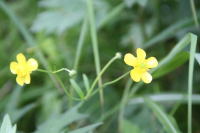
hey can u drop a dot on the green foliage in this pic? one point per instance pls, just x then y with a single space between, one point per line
83 36
162 116
61 15
197 56
130 3
6 126
129 127
86 129
177 61
56 123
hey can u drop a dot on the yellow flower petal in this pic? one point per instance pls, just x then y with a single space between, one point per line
146 77
130 60
13 67
140 53
27 79
20 80
21 58
152 62
135 75
32 64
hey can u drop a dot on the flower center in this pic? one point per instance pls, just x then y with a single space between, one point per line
141 67
22 70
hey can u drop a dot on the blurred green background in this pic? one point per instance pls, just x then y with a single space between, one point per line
53 28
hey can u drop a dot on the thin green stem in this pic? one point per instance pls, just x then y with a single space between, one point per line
176 106
118 9
62 69
66 91
81 42
93 33
194 13
90 90
111 82
56 71
193 39
116 80
123 104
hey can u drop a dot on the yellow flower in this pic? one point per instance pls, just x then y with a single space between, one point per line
23 69
141 65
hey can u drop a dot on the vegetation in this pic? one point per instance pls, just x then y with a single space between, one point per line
76 76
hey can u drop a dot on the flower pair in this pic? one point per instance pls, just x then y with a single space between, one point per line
23 68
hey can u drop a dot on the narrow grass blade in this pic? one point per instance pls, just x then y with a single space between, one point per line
81 42
194 13
168 32
93 34
193 39
86 82
77 88
161 115
166 98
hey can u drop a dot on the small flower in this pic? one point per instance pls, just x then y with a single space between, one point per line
141 65
23 69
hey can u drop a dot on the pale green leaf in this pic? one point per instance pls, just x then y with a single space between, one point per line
77 88
197 56
177 61
86 82
129 127
161 116
6 126
56 124
86 129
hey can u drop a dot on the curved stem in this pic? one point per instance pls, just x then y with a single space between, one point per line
56 71
100 74
66 91
111 82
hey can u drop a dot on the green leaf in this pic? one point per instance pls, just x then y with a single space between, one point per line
14 99
86 82
61 15
77 88
19 113
193 41
67 14
197 56
129 127
6 126
86 129
177 61
130 3
161 115
56 124
12 108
